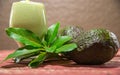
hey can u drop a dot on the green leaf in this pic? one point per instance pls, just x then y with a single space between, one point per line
21 52
50 49
24 36
44 42
26 56
39 60
18 59
52 33
66 48
61 40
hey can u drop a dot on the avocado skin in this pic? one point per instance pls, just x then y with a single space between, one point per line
94 55
95 47
72 31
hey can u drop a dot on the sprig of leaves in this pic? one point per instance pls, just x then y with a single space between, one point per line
51 43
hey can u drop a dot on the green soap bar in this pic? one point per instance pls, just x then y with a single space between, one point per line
29 15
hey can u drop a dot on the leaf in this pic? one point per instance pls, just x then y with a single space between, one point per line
66 48
21 52
61 40
50 49
52 33
24 36
44 43
39 60
18 59
26 56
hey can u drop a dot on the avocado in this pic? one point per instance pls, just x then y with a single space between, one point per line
73 31
95 47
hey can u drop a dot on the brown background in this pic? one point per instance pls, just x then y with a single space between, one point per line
86 13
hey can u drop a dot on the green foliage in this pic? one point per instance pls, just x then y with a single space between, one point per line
24 36
41 48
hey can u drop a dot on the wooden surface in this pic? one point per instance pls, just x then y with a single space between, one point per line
86 13
59 67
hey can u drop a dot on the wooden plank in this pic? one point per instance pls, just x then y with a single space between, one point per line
59 67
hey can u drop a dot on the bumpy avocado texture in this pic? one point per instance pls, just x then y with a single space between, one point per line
96 46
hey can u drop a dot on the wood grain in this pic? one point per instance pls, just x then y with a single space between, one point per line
86 13
59 67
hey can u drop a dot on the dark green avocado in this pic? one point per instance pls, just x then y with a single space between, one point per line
73 31
96 46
